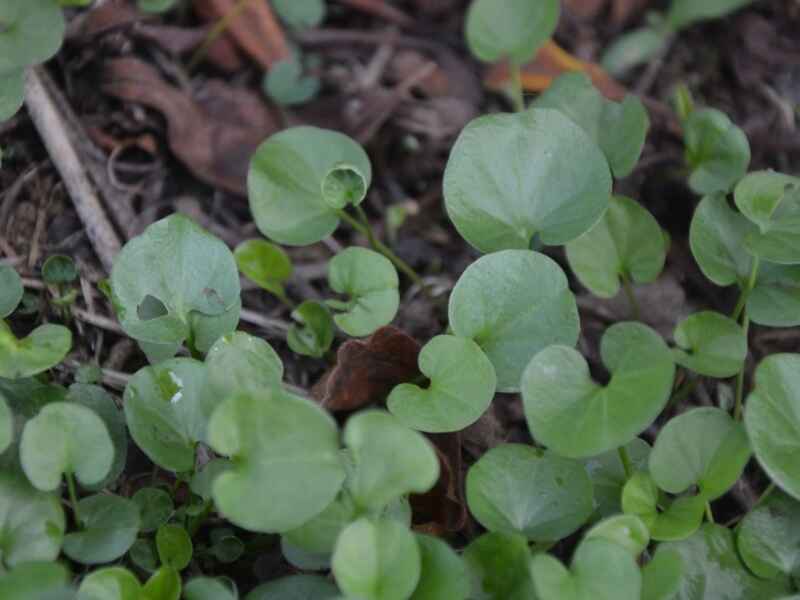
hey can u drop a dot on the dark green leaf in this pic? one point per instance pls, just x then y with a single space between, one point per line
109 528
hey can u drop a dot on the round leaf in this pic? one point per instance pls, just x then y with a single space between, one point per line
628 531
513 29
370 280
206 588
710 344
286 178
444 574
164 584
769 537
717 151
498 565
314 334
377 560
515 489
274 437
65 438
265 264
240 361
59 270
35 581
390 459
11 290
576 417
32 31
111 583
295 587
772 418
286 84
511 178
513 304
462 385
661 577
155 507
174 546
608 475
109 528
633 48
44 348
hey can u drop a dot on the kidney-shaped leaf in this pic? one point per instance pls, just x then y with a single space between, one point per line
65 438
772 418
293 179
514 304
44 348
176 281
515 489
274 437
111 583
462 385
31 33
511 178
443 575
11 290
626 242
108 529
769 537
265 264
370 280
574 416
710 344
717 151
667 520
240 361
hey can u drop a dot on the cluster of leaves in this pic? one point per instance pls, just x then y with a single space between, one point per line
240 461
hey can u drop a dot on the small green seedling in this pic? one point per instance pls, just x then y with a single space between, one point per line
667 519
109 525
608 474
287 85
44 348
265 264
155 508
174 546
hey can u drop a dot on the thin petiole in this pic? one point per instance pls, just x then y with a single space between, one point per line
709 513
73 498
219 28
745 295
737 407
626 461
628 287
517 96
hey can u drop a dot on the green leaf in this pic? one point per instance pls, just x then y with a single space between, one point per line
377 560
306 560
155 507
498 566
772 418
661 577
771 201
370 280
241 362
44 348
683 13
631 49
286 179
286 84
716 237
143 555
31 523
626 242
712 569
513 304
627 531
508 180
769 537
618 128
274 437
208 588
775 300
59 270
155 6
175 282
318 535
514 29
111 583
314 334
6 425
164 584
667 520
717 151
515 489
300 15
108 529
710 344
390 459
174 546
12 94
32 32
167 407
65 438
600 570
462 385
295 587
265 264
34 581
608 475
11 290
444 573
228 549
203 479
576 417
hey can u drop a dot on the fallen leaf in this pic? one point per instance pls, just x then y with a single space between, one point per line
367 370
621 10
443 509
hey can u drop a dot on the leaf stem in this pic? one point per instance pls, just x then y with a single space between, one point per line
517 96
626 461
745 295
628 287
684 390
764 495
709 513
737 407
73 498
219 28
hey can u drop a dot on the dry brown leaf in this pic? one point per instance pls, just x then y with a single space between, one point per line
621 10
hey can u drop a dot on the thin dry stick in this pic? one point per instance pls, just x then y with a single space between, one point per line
54 132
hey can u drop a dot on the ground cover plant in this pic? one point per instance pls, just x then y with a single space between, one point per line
216 451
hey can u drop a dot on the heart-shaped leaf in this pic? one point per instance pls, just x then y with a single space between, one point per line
661 577
313 335
241 362
507 182
667 520
296 587
703 447
109 525
516 489
769 537
44 348
35 581
444 574
600 570
11 290
619 128
626 243
164 584
274 436
31 523
608 475
576 417
713 571
167 407
775 300
772 418
710 344
175 282
74 440
265 264
111 583
717 151
292 179
498 565
514 304
32 32
389 459
377 560
370 281
155 507
628 531
514 29
462 385
174 546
